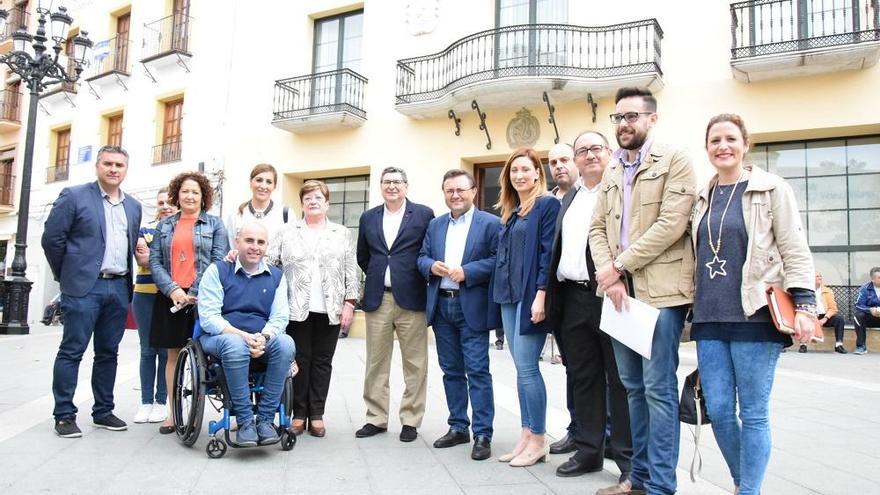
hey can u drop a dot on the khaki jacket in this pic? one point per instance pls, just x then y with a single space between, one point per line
660 257
828 301
778 253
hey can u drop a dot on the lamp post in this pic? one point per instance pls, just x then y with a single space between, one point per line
38 65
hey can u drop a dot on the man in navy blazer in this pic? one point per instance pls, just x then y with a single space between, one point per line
457 259
89 240
389 240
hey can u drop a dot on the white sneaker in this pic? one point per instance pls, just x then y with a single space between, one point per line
144 413
159 413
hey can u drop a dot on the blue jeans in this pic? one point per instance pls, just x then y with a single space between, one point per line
101 312
742 372
464 359
530 387
151 375
652 393
234 356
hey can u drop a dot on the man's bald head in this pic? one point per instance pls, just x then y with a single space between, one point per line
251 242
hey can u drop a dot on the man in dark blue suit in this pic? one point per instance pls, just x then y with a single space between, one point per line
389 241
457 259
89 240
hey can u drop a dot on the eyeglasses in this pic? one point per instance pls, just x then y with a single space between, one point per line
595 150
396 182
453 192
630 117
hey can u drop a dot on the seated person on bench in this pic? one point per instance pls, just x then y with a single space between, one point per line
243 312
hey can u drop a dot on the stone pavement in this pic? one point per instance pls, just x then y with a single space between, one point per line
824 415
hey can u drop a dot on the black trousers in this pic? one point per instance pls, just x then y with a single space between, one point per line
864 321
835 321
590 368
315 340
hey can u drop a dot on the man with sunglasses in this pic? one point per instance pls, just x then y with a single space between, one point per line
389 239
641 249
575 311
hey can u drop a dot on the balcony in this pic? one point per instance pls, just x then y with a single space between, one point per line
18 19
167 152
320 102
514 65
10 114
111 59
167 41
775 39
57 173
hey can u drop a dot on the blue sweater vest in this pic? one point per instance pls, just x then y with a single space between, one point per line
247 301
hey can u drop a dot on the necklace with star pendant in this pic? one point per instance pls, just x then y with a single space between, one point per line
716 266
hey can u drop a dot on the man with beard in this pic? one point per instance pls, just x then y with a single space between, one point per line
639 243
561 161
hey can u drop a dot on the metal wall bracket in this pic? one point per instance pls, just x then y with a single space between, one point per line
483 127
119 81
93 91
592 105
43 108
552 119
457 122
67 98
180 62
148 73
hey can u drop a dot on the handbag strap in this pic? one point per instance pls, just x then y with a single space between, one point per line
697 460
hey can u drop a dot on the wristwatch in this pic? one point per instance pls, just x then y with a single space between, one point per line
268 336
618 266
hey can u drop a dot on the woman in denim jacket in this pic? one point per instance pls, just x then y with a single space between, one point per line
178 258
747 235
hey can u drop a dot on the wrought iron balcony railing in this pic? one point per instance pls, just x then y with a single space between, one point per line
57 173
766 27
113 57
9 105
167 152
19 18
325 92
532 50
167 35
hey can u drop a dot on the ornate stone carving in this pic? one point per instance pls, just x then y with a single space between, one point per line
523 130
422 16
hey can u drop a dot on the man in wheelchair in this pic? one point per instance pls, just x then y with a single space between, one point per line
244 313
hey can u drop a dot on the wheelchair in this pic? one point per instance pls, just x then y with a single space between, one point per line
198 377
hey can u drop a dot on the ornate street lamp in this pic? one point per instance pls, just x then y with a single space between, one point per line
39 67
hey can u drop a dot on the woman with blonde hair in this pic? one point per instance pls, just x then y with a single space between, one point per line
260 208
319 263
520 280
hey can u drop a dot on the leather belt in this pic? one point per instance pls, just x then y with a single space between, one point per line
587 284
387 289
110 276
448 293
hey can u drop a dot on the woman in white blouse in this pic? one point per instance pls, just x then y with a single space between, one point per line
318 259
260 208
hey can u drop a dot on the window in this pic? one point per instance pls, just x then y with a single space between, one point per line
338 42
71 61
59 170
488 175
114 130
123 24
349 197
7 176
172 133
180 25
837 186
522 48
9 102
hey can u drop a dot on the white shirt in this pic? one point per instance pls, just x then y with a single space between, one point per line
820 304
456 238
316 288
576 234
273 221
390 227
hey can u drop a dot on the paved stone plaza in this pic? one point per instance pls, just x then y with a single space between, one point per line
825 427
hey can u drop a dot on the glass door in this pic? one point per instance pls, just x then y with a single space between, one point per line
338 42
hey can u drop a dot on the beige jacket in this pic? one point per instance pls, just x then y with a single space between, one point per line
778 253
660 257
340 276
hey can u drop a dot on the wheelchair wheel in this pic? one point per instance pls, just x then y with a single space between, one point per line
287 399
216 448
288 440
189 394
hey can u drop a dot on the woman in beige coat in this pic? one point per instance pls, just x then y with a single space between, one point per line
320 266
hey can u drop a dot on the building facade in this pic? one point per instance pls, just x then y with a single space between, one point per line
338 90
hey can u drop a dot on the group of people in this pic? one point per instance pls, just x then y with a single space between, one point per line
625 223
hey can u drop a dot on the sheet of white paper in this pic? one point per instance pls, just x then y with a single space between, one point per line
633 328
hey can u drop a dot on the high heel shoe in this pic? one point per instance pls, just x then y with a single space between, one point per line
507 457
529 459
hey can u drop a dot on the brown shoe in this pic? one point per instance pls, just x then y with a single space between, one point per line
298 426
317 430
622 488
